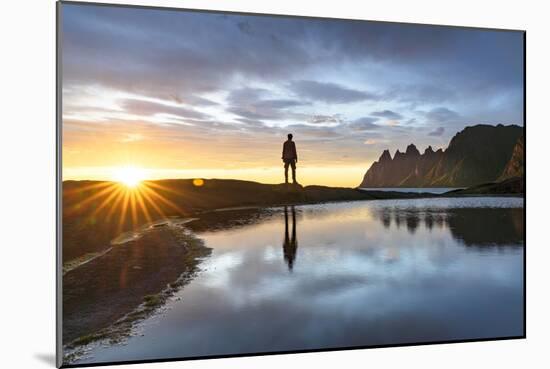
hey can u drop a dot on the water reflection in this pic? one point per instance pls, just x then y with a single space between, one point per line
290 244
412 222
472 226
480 227
368 273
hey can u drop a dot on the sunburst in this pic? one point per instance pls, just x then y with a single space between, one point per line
131 198
129 176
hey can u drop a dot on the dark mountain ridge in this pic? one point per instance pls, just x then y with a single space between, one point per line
475 155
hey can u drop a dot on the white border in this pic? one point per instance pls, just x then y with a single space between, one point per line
28 182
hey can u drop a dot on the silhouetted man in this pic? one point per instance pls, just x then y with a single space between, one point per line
290 158
290 245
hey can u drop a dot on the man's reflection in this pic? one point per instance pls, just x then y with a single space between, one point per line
290 245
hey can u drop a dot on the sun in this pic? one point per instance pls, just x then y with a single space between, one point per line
129 176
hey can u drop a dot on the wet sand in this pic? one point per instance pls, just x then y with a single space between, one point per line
133 274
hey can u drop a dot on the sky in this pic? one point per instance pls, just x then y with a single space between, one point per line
210 95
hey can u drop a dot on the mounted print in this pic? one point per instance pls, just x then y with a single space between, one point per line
240 184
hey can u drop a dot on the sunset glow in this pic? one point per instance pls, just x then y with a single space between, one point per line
129 176
217 98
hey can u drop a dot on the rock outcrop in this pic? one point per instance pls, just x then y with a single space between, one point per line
477 154
516 164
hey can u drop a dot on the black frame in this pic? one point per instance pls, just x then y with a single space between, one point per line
59 188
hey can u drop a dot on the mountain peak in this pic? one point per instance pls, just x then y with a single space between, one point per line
398 154
477 154
412 150
385 156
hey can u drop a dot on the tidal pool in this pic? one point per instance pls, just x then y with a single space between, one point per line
343 275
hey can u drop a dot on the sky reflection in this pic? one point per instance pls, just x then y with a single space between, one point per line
355 276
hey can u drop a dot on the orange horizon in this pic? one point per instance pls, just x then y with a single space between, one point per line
339 176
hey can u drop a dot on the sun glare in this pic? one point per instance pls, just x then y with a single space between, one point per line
131 177
130 196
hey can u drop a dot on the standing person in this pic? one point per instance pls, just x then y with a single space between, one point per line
290 158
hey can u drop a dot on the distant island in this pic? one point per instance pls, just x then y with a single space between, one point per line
477 155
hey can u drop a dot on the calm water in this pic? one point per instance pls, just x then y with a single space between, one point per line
345 274
436 190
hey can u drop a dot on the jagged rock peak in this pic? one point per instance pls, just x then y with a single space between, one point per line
385 156
412 150
475 155
429 150
398 155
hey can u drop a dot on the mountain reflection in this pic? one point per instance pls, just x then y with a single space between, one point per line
290 244
473 226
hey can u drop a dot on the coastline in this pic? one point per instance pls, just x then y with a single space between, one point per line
125 327
90 228
141 267
87 231
106 296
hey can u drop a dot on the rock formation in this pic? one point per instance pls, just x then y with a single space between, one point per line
477 154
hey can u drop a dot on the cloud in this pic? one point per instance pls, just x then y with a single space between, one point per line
161 53
387 114
253 114
279 103
316 133
148 108
192 100
442 115
328 92
250 122
325 119
364 124
123 48
392 122
257 104
438 132
242 79
132 137
246 95
422 93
